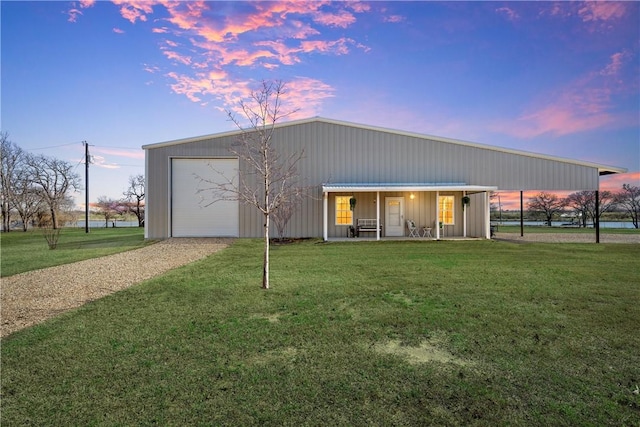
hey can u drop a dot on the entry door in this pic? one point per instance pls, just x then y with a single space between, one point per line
394 216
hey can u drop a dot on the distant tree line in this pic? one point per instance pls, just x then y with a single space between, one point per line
581 206
36 190
131 203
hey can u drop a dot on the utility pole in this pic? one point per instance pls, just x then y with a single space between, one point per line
87 160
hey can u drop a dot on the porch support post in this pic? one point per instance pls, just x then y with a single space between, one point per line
464 217
596 219
377 215
325 216
437 215
521 213
487 213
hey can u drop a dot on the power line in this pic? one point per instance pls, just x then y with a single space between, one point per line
53 146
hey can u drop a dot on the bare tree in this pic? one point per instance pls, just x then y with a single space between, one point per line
54 179
584 204
283 214
580 203
109 209
270 181
547 204
629 199
27 199
10 157
606 201
134 197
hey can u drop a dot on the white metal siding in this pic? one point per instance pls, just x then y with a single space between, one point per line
345 153
195 213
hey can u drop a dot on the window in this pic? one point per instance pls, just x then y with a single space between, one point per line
445 204
344 214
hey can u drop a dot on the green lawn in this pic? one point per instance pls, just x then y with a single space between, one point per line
354 333
543 229
22 251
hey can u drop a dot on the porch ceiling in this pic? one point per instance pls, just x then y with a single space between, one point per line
369 187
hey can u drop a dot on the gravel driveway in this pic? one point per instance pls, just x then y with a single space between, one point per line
32 297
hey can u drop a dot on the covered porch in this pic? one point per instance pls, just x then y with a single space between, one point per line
392 211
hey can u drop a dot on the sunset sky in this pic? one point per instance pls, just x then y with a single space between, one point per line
558 78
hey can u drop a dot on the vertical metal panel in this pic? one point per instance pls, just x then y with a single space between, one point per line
476 215
342 153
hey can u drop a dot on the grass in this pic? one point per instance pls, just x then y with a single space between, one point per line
367 333
26 251
529 229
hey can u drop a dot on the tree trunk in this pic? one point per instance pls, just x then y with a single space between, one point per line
54 219
6 217
265 270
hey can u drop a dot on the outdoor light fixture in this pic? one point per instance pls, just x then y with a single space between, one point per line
412 196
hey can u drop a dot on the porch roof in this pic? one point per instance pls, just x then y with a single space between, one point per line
364 187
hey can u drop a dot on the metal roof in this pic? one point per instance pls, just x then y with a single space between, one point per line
602 169
369 187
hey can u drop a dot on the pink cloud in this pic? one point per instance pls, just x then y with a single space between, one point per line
582 105
337 47
617 61
511 14
101 162
175 56
601 11
73 14
215 83
614 183
341 19
258 34
151 68
302 97
138 154
118 30
299 30
133 10
595 16
185 15
306 95
394 19
359 7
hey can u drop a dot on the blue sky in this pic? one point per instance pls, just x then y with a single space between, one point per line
559 78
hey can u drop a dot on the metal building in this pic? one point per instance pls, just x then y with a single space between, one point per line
381 179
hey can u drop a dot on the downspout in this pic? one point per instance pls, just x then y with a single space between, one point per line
325 215
377 215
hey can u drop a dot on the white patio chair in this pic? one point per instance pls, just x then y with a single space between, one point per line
413 230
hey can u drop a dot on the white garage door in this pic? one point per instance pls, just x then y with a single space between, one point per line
192 213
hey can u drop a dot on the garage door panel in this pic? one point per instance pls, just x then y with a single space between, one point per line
195 213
